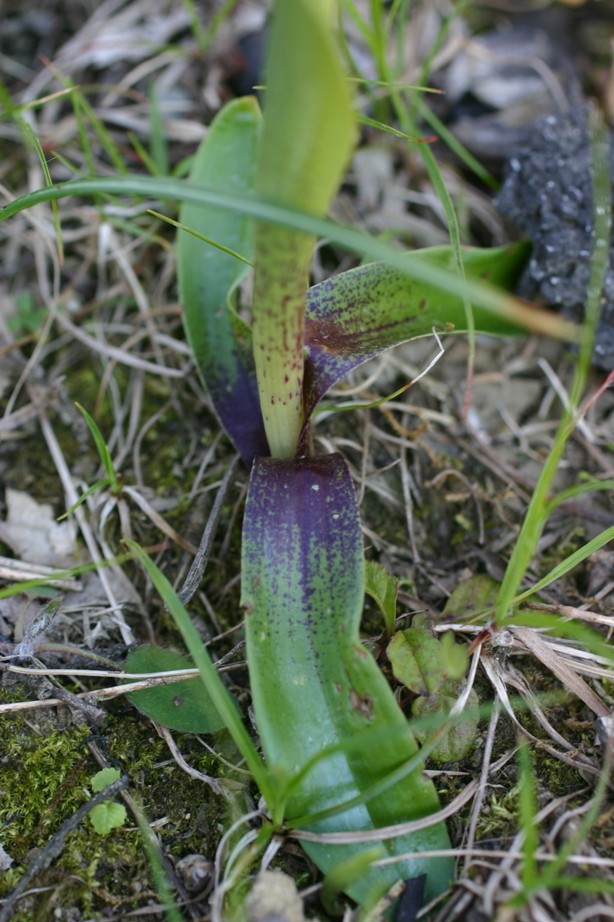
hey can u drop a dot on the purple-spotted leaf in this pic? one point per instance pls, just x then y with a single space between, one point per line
309 132
208 276
354 316
313 683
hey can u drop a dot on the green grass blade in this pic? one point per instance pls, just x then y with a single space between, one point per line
465 156
98 485
101 447
578 490
16 113
218 693
146 158
527 805
162 883
480 292
568 564
536 514
550 875
208 240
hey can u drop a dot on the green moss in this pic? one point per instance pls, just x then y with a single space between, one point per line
46 776
44 780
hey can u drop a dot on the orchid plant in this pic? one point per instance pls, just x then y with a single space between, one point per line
341 764
333 736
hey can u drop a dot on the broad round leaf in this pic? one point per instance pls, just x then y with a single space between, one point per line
184 705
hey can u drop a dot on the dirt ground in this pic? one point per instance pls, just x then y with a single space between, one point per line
443 488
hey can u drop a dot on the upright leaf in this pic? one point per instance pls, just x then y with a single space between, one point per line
307 139
313 684
208 276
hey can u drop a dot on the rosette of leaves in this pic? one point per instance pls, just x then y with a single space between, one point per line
336 743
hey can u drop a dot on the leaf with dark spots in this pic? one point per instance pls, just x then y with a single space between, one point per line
314 684
354 316
208 276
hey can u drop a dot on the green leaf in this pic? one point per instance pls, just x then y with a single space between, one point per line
417 660
472 599
104 778
454 736
107 816
209 275
184 705
454 656
329 724
309 132
383 588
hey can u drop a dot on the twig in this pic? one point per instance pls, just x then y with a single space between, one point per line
22 570
216 786
199 563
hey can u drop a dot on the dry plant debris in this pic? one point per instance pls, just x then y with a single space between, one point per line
442 494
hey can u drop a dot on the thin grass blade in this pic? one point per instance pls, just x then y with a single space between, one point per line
218 693
480 291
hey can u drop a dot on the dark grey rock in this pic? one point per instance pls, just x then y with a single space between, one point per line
547 197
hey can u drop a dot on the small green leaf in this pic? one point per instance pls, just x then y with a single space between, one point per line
107 816
472 599
383 588
454 656
104 778
184 705
417 661
28 316
459 734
